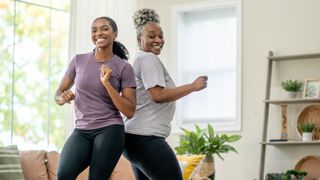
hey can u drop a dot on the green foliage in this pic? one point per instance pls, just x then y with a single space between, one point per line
306 127
291 85
205 141
299 174
289 175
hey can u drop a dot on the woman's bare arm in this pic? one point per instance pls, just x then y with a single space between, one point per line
163 94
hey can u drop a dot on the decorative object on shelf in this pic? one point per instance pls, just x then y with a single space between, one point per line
306 128
206 142
291 174
293 87
310 114
284 122
311 88
310 164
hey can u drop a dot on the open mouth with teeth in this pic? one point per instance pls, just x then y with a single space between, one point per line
100 40
157 47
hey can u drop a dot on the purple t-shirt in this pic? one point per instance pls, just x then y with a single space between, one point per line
93 106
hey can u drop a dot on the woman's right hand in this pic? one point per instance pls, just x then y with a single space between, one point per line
200 83
66 96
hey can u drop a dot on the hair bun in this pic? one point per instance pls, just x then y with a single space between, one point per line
145 15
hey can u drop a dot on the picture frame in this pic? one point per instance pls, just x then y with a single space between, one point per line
311 88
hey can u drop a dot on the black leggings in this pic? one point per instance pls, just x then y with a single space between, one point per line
100 148
151 158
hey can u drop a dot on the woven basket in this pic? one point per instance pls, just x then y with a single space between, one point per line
310 114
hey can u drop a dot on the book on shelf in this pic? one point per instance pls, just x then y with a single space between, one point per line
278 140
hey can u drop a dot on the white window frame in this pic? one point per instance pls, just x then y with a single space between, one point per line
177 12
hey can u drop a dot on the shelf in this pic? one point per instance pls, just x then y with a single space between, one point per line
291 143
275 60
292 101
294 57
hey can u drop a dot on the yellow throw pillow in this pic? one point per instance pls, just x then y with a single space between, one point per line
190 162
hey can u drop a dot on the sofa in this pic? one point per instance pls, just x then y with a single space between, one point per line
42 165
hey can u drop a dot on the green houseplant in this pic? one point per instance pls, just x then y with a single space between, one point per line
306 129
205 141
289 175
292 87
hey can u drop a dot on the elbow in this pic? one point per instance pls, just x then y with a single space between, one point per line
130 113
129 116
157 99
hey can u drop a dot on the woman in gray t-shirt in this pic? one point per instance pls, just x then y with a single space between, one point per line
150 155
104 87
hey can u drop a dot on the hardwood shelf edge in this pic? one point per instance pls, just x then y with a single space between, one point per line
292 101
294 57
291 143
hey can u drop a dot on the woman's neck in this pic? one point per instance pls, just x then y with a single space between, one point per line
103 54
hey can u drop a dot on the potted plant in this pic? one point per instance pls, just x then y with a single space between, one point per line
297 174
291 174
206 142
292 87
306 129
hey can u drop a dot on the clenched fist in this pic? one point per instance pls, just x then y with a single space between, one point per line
105 74
200 83
66 97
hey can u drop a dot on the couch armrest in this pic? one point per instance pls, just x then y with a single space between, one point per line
33 163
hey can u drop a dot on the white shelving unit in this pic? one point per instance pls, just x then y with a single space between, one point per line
272 60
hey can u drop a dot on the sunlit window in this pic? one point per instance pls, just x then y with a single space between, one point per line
207 37
33 52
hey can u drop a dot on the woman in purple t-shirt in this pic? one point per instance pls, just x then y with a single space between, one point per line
104 88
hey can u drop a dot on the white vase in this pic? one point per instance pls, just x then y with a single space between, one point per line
292 94
307 136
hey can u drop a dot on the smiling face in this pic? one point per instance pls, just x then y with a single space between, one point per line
102 33
150 38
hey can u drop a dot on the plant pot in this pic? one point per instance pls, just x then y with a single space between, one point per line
205 170
307 136
292 94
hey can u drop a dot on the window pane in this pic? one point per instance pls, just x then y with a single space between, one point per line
33 50
59 59
39 2
207 46
6 63
61 4
31 76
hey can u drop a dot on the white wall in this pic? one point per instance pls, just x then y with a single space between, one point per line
285 27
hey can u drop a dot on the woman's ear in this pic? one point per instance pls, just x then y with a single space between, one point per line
115 35
139 39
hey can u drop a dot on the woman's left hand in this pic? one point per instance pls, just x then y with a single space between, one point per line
105 74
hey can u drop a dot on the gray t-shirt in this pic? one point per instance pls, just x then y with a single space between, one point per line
93 106
150 118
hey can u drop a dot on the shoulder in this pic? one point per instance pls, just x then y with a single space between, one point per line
121 64
83 55
146 57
